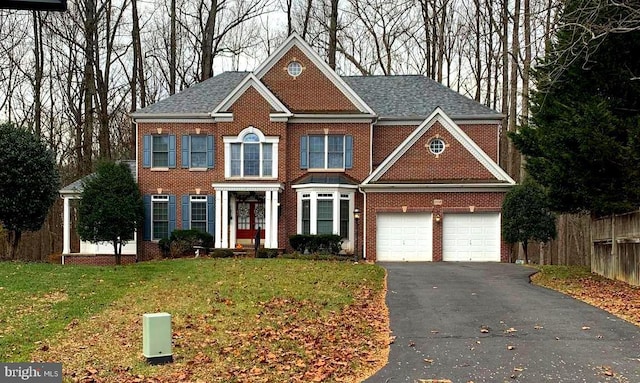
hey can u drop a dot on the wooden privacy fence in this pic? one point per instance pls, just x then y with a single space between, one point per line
615 247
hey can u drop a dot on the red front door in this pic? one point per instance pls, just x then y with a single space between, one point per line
250 217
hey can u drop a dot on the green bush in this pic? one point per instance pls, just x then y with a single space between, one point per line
267 253
181 243
221 253
311 244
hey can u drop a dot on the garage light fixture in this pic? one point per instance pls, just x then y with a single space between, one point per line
438 218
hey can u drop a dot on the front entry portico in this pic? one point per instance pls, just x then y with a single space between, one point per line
243 207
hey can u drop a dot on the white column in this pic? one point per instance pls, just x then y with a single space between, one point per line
219 207
225 219
66 238
267 219
233 223
336 212
274 219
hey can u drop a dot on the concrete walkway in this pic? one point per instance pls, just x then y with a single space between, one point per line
484 322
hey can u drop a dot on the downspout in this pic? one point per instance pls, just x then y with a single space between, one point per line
364 223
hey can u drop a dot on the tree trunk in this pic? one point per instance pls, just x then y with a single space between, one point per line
514 168
172 50
206 69
39 68
333 34
13 237
89 86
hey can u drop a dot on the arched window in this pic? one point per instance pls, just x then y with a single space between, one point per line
251 154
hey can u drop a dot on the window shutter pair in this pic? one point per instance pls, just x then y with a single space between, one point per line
186 151
147 148
304 152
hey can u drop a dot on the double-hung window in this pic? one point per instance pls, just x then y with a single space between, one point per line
326 151
160 217
197 151
199 212
160 154
159 151
251 154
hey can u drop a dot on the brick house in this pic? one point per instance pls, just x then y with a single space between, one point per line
294 148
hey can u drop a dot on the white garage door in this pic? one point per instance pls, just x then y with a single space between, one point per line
471 237
404 237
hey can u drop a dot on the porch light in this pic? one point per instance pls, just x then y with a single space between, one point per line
438 218
356 219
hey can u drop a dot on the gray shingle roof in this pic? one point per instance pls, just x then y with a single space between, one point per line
413 96
410 96
76 186
199 98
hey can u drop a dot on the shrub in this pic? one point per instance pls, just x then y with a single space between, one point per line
181 243
221 253
323 243
267 253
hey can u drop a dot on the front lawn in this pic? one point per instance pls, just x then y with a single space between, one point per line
233 319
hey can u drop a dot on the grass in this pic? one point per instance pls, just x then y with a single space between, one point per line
300 320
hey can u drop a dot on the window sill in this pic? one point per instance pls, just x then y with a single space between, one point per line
198 169
251 178
159 169
333 170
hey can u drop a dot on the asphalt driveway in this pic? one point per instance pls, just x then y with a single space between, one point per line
438 312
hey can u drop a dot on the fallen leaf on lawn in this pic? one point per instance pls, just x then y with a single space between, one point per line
518 369
536 327
434 381
434 331
511 348
586 328
510 330
484 329
412 344
557 338
428 360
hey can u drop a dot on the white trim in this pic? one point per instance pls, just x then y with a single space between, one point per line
458 134
170 116
250 81
273 140
324 186
222 117
436 188
175 120
460 120
247 186
308 118
295 40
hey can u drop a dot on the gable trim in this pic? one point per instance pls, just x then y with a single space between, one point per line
220 112
439 116
295 40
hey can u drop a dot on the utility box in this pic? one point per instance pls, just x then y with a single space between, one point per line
156 338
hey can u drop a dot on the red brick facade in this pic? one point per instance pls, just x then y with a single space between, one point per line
313 93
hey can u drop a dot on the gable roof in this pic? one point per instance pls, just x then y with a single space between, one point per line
295 40
201 98
415 96
438 115
251 81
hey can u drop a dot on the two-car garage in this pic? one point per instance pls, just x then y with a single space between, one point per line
466 237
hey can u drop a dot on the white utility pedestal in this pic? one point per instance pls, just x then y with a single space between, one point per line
156 338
